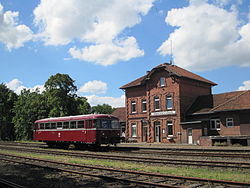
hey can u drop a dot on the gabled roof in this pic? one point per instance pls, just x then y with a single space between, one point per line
172 70
237 100
120 113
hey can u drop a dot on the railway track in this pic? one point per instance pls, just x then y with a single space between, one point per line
213 153
128 176
160 161
8 184
194 153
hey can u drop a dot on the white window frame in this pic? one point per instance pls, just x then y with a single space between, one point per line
133 129
230 120
144 102
157 100
133 103
168 124
169 98
216 122
162 82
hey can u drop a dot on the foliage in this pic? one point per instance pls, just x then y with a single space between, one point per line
60 93
29 107
103 109
7 100
83 107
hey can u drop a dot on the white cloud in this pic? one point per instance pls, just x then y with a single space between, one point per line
95 86
246 86
97 22
207 37
114 102
110 53
17 87
14 84
12 35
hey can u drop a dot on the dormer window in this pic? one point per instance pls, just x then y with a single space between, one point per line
162 82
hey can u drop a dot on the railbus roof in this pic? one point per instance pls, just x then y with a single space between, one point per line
77 117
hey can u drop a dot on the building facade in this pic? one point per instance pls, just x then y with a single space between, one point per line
172 105
156 103
220 118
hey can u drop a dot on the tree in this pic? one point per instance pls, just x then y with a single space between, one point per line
60 92
103 109
83 107
29 107
7 100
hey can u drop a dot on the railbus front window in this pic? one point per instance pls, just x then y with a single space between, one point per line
105 124
97 123
80 124
115 124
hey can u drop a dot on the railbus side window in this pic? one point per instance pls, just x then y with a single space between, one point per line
59 125
80 124
41 126
47 125
66 125
53 125
73 124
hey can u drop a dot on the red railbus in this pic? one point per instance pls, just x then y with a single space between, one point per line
93 129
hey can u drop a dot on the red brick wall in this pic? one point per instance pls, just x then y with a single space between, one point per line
245 129
189 91
229 131
205 141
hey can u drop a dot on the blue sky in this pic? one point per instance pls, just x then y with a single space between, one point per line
103 45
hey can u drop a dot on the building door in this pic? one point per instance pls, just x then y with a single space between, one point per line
157 131
144 133
190 136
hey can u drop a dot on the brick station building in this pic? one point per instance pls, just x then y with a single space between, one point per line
167 105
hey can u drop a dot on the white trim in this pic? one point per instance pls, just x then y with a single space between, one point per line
133 125
163 113
157 98
215 124
144 101
133 103
232 121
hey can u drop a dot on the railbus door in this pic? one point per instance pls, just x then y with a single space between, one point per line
90 132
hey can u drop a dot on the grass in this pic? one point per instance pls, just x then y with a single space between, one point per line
241 175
